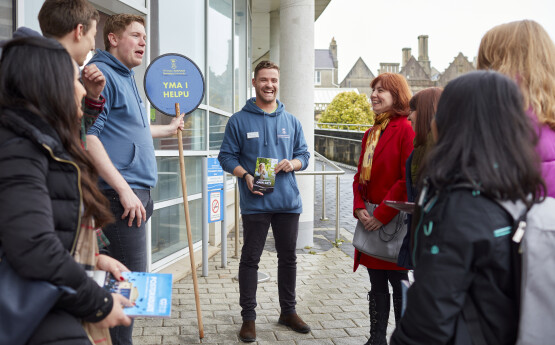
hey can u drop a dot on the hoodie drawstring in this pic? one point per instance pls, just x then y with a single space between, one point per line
265 137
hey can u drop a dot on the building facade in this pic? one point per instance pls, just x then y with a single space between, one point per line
325 66
225 38
360 77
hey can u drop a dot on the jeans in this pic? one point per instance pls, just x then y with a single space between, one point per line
285 227
127 245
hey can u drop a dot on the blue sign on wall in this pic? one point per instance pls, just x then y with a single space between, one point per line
174 78
215 178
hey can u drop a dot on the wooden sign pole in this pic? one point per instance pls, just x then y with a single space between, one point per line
188 224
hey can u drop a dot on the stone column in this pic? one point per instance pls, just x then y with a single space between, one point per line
297 92
274 37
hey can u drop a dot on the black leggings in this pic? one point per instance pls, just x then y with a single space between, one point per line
379 279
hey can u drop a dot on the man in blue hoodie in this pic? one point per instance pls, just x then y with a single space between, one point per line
264 129
120 142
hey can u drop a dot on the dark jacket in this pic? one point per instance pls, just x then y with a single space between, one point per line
40 196
462 253
404 259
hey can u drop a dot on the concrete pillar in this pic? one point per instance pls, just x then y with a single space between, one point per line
274 37
297 92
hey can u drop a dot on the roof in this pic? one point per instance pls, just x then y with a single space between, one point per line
323 59
359 66
324 95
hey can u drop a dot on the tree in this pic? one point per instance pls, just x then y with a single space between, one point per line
348 107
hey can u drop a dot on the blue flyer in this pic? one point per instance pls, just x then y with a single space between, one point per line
151 292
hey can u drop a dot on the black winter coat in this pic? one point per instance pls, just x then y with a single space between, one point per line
40 198
462 251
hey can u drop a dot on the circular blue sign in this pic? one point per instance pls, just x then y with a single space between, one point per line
174 78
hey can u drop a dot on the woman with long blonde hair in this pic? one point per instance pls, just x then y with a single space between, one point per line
523 51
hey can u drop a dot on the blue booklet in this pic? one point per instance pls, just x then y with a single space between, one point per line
151 292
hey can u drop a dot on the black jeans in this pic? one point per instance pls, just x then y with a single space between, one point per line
127 245
379 278
285 227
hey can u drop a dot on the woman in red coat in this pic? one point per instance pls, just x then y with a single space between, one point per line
381 176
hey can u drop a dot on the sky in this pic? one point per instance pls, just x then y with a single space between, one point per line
377 31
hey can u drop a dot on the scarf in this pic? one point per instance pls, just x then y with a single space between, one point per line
380 123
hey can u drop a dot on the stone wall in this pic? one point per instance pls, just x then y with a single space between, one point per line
338 146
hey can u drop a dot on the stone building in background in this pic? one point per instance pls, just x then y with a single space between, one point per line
419 72
359 77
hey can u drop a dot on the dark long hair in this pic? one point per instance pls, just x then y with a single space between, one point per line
485 138
37 74
425 104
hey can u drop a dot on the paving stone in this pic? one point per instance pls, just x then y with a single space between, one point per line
329 333
330 297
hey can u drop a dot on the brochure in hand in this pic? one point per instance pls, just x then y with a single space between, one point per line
151 292
264 176
405 206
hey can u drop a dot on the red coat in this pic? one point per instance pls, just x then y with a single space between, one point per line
387 179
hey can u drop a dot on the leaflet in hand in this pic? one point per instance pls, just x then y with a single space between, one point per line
151 292
264 176
405 206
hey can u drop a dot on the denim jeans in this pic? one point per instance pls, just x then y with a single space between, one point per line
285 227
128 245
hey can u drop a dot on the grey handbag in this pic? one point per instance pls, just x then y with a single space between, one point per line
385 243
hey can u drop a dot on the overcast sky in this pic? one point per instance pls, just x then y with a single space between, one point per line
378 30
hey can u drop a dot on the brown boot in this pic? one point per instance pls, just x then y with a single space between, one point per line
295 322
247 333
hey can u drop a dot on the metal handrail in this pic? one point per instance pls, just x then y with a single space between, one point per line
319 157
337 126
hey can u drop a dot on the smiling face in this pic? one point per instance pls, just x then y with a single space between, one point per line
266 86
382 100
129 47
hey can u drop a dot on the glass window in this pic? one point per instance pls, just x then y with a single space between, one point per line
193 134
6 19
175 36
240 54
217 129
317 77
31 13
169 231
220 54
169 178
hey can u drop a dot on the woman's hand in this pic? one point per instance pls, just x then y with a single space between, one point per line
373 224
370 222
108 264
117 317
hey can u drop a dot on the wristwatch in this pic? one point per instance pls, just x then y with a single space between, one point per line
245 174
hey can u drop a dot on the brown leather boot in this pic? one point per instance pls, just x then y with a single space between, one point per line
247 333
295 322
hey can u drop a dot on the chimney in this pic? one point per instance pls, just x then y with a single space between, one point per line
406 56
423 48
333 51
423 58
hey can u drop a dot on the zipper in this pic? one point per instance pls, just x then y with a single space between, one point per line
78 187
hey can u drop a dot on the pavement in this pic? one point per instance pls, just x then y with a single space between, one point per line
331 298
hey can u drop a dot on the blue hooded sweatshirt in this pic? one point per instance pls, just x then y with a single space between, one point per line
252 133
123 126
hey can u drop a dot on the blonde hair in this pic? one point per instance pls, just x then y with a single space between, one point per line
523 51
